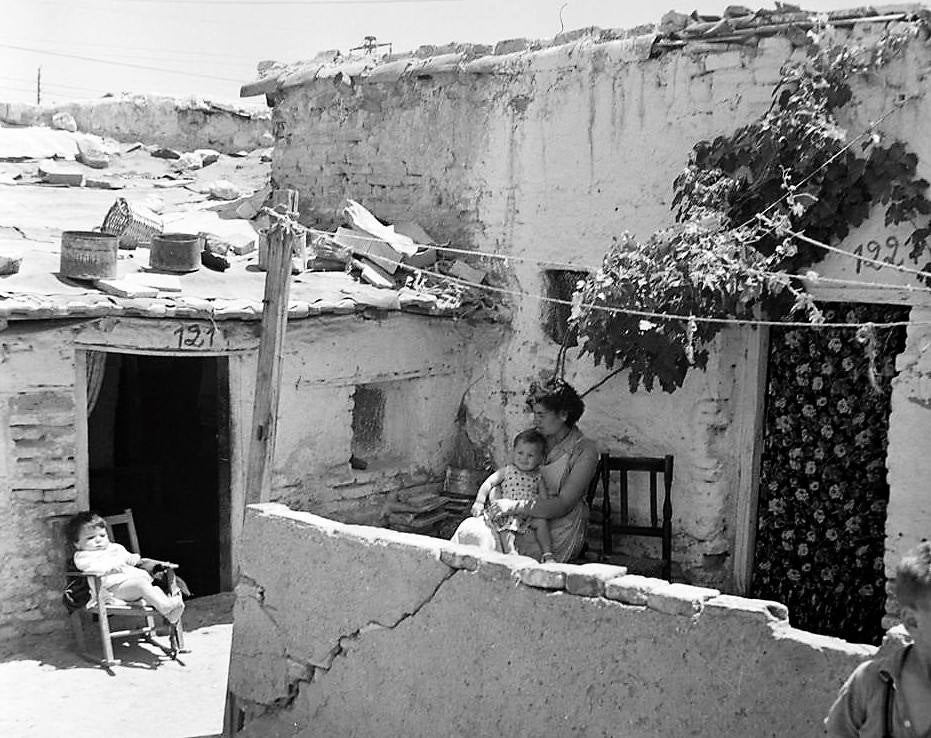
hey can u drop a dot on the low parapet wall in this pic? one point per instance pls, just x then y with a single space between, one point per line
352 630
181 123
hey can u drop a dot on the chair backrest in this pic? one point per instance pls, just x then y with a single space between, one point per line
654 466
125 519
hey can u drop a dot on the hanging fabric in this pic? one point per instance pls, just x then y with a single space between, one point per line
95 367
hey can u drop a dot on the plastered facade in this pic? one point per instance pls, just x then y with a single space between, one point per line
547 155
351 630
43 430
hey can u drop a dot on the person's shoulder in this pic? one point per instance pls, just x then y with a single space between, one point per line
872 674
587 446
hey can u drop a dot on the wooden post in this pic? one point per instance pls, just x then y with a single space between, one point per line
268 376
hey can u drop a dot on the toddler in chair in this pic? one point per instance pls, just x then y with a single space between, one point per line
519 480
95 553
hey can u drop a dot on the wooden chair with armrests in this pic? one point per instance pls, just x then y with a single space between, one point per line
102 610
660 520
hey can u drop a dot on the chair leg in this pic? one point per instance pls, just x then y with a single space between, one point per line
607 545
667 539
104 626
178 630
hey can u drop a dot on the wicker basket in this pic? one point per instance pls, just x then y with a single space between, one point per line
134 225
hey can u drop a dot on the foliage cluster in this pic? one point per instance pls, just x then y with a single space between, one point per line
729 255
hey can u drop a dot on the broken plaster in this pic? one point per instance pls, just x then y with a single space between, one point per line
306 672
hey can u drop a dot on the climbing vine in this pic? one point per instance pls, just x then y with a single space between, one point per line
729 255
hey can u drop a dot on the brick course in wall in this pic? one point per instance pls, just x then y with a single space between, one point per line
41 492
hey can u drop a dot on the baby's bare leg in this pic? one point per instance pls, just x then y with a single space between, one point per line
508 544
541 529
138 588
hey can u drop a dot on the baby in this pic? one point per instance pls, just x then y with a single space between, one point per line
520 480
94 553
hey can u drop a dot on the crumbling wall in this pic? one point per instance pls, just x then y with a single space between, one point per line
184 124
909 509
37 479
422 366
546 155
428 361
346 630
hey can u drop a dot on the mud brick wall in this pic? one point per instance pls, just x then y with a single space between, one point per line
549 153
350 630
35 495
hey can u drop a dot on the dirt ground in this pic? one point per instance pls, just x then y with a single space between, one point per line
48 691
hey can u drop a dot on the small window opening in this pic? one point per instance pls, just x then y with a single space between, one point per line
559 284
368 421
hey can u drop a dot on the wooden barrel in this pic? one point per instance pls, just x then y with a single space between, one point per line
175 252
88 255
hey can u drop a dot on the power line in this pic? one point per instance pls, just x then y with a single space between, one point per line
247 3
119 63
163 51
53 84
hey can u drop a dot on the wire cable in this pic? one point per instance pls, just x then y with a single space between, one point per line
119 63
648 313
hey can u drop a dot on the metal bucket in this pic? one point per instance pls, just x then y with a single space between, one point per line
175 252
463 482
88 255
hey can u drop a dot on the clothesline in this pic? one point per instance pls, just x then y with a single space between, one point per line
649 313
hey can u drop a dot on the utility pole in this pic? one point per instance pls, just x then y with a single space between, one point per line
39 86
281 236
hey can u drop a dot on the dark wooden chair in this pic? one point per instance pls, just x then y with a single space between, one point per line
101 610
660 520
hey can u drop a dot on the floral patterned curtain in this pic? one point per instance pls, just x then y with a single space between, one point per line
823 489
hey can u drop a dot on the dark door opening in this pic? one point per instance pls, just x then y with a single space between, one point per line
158 442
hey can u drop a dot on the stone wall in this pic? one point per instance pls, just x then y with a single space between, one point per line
350 630
546 155
37 482
184 124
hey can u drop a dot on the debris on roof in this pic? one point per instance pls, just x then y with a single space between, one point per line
367 264
738 24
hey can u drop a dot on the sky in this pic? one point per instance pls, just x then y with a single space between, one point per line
209 48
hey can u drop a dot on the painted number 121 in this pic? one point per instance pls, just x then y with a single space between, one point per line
194 336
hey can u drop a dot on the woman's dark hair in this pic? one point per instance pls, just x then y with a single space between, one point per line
532 436
913 576
558 396
77 522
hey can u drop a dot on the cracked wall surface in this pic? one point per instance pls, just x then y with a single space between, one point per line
349 630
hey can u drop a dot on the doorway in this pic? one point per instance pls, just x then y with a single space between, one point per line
158 442
823 491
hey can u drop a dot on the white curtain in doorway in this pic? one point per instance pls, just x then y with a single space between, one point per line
96 365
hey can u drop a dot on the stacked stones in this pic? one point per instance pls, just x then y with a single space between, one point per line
610 582
40 492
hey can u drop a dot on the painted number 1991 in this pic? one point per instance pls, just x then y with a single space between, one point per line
887 253
192 335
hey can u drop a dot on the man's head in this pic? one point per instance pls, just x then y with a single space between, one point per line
87 531
913 591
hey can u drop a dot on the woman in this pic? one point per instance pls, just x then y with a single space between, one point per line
569 467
